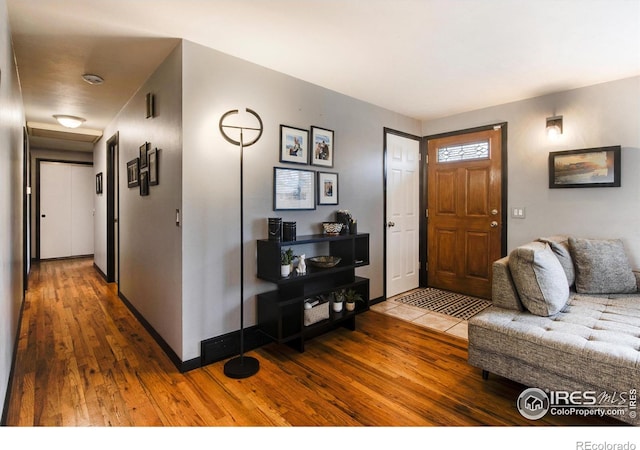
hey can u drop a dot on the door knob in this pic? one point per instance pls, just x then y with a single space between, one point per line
494 212
494 224
391 224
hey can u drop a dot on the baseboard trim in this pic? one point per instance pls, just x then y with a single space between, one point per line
227 345
182 366
375 301
102 274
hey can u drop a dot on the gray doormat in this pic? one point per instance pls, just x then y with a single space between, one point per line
444 302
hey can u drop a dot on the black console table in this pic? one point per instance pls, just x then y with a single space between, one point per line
281 312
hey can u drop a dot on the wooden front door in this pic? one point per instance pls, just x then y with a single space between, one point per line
464 211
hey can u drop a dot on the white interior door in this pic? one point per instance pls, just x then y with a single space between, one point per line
403 221
55 210
66 209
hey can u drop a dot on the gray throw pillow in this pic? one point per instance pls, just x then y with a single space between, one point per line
560 247
539 278
602 266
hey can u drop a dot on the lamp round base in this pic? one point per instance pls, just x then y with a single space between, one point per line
241 367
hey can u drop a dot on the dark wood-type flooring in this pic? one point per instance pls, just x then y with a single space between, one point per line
84 360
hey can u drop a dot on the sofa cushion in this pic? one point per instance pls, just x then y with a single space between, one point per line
560 247
503 291
539 278
602 266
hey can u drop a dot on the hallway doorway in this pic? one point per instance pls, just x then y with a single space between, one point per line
112 210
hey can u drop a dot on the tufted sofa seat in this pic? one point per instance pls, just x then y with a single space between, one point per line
591 344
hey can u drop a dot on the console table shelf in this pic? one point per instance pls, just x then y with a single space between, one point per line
281 311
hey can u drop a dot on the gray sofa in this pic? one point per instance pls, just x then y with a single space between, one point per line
565 317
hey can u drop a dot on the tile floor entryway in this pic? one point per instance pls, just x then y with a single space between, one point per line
422 317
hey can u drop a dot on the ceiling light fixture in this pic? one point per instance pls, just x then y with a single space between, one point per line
92 78
69 121
554 126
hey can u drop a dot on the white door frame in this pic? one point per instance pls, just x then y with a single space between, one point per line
37 201
418 193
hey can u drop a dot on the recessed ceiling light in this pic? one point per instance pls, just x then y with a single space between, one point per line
69 121
92 78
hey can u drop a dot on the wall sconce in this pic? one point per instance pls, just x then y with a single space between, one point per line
554 126
151 105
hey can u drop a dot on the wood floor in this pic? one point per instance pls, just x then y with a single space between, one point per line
84 360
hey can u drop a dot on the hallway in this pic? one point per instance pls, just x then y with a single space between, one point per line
84 360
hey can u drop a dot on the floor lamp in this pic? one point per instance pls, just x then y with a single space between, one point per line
241 366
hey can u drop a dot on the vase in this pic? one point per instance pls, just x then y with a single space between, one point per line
275 228
285 271
288 231
350 306
337 306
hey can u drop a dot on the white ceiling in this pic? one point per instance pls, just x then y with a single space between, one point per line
423 58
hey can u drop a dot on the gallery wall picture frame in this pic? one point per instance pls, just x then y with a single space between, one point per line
294 145
590 167
322 147
327 188
144 183
293 189
144 148
133 173
99 183
152 161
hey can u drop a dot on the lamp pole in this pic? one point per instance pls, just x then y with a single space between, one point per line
241 366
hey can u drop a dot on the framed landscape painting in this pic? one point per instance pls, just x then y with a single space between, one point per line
592 167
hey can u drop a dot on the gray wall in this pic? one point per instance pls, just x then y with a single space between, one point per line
11 210
150 241
215 83
601 115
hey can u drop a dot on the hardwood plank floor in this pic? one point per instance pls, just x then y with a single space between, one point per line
84 360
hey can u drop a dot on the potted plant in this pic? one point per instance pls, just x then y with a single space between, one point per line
286 260
338 299
351 297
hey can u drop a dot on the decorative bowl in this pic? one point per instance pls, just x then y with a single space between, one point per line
325 262
332 227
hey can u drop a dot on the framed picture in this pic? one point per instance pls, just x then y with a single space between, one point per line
144 183
294 145
99 183
293 189
321 147
592 167
152 160
133 173
144 148
327 188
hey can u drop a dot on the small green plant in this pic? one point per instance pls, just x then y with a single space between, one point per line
286 257
352 296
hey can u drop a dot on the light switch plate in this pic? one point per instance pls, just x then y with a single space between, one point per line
518 212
